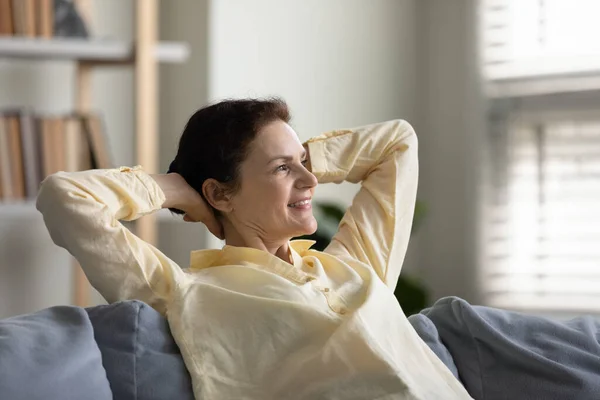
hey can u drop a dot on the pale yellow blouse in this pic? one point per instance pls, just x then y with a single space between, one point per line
249 325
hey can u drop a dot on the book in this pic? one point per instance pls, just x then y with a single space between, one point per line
5 164
42 19
6 18
33 146
101 156
16 153
23 14
78 148
44 13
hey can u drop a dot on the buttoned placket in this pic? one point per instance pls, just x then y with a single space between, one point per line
334 301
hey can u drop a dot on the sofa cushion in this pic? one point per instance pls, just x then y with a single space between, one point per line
427 331
51 354
141 358
503 354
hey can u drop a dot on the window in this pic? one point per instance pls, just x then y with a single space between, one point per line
543 220
542 215
530 38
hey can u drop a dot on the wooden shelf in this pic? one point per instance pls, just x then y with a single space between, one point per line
100 51
26 209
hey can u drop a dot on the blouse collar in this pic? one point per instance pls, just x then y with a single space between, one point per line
233 255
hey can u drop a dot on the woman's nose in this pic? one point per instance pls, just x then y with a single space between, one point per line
308 179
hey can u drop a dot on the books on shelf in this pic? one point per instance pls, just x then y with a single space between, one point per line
33 146
29 18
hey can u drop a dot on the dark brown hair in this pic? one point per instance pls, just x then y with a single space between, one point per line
216 140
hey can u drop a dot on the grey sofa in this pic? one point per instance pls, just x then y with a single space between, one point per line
499 354
122 351
125 351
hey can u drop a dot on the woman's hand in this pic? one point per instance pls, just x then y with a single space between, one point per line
198 210
182 196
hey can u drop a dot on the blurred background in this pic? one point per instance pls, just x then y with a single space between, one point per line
504 96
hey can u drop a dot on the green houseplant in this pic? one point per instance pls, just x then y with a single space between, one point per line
411 295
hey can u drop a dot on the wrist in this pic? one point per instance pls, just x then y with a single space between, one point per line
178 194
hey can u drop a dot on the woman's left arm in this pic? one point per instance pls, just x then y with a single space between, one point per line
383 157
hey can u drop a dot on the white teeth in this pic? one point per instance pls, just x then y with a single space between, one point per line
300 203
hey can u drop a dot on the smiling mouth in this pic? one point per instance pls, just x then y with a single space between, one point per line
302 204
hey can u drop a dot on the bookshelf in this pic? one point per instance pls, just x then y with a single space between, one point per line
26 209
90 51
142 54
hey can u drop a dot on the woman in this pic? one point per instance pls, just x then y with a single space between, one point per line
265 317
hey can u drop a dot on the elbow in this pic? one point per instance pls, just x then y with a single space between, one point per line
404 137
51 193
51 203
407 134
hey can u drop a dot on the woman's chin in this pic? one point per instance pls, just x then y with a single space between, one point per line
310 227
306 228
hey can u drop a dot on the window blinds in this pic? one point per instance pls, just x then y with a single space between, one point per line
542 215
543 228
530 38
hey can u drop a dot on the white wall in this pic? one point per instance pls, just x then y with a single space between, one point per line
450 127
338 63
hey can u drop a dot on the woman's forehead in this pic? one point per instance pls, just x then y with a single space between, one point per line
277 138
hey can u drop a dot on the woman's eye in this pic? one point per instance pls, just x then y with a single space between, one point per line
304 162
282 168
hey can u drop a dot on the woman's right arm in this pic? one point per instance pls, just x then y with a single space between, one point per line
82 211
383 158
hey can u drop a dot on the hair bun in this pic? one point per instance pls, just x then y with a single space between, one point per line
172 167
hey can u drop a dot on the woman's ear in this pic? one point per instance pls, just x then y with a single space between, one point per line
216 195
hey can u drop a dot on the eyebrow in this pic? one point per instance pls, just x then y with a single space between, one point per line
286 158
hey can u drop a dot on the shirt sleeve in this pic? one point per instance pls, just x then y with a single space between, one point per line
383 158
82 212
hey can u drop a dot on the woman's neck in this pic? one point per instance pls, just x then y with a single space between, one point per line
250 239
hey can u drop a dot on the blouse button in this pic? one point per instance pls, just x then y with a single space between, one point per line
343 311
326 289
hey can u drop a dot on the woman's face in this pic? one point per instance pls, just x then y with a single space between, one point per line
274 200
